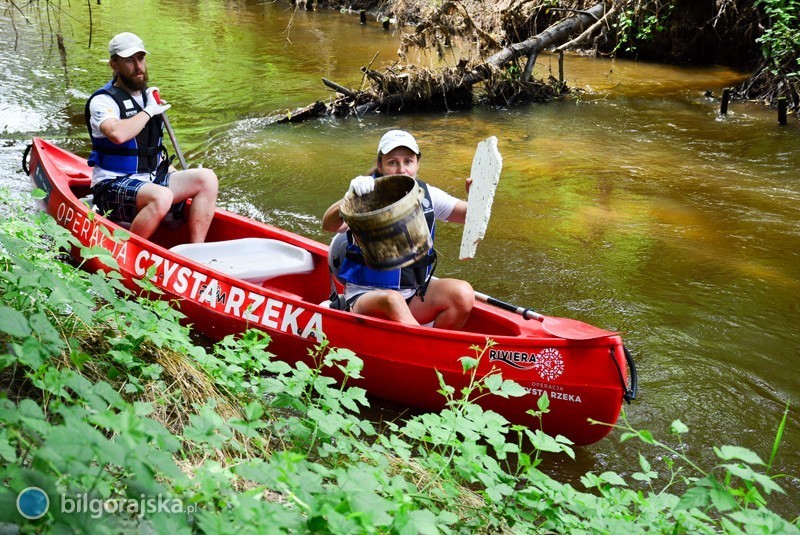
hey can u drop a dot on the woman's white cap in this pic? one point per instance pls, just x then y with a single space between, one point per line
397 138
125 45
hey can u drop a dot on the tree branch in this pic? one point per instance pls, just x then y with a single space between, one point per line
588 31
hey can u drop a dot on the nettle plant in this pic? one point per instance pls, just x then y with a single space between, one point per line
106 398
779 42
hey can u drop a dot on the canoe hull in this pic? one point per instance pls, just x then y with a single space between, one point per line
584 379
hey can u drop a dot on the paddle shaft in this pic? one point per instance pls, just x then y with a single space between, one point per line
566 328
526 313
171 133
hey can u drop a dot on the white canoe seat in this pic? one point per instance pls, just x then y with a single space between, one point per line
251 259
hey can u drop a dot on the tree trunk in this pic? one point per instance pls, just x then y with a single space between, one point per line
552 36
451 87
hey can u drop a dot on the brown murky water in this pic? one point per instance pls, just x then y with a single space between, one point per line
633 205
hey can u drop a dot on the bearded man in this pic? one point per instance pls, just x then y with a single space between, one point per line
132 180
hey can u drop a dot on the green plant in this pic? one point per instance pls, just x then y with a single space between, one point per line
779 42
640 22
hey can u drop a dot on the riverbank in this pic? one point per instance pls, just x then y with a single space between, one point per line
756 37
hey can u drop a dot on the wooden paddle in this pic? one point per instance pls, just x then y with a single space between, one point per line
566 328
171 133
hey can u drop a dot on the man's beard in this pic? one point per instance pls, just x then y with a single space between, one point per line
132 83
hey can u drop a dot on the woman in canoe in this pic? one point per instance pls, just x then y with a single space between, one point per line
407 295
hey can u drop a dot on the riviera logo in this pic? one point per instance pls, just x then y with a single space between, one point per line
548 362
33 503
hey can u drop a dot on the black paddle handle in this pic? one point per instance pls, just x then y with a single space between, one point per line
526 313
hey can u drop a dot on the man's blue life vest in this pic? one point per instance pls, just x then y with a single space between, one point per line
138 155
355 271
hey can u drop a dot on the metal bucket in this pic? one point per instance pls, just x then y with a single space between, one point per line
388 223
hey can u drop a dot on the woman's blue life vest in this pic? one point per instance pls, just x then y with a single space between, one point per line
353 269
138 155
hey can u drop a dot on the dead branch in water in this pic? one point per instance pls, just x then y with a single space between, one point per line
401 88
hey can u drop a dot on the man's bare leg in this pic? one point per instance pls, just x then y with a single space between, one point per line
201 185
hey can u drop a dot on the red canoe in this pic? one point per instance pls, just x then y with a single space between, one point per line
249 274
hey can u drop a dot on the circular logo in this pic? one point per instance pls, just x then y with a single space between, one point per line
32 503
550 364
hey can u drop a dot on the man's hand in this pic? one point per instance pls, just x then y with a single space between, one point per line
153 108
361 185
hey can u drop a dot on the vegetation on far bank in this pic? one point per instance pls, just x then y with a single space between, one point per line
107 402
758 36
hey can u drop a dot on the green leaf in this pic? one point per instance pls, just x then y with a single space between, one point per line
512 389
41 324
423 522
544 442
7 451
101 254
645 477
30 409
644 464
468 363
679 427
646 437
253 411
613 478
768 484
12 322
493 382
722 499
121 234
694 497
31 353
543 402
728 453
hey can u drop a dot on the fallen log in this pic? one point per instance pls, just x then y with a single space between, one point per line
315 109
552 36
340 88
409 88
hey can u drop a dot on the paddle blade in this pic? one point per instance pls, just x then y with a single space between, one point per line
485 174
573 329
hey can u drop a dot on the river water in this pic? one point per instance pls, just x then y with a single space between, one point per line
632 205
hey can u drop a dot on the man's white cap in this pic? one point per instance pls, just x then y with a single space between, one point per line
397 138
125 45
